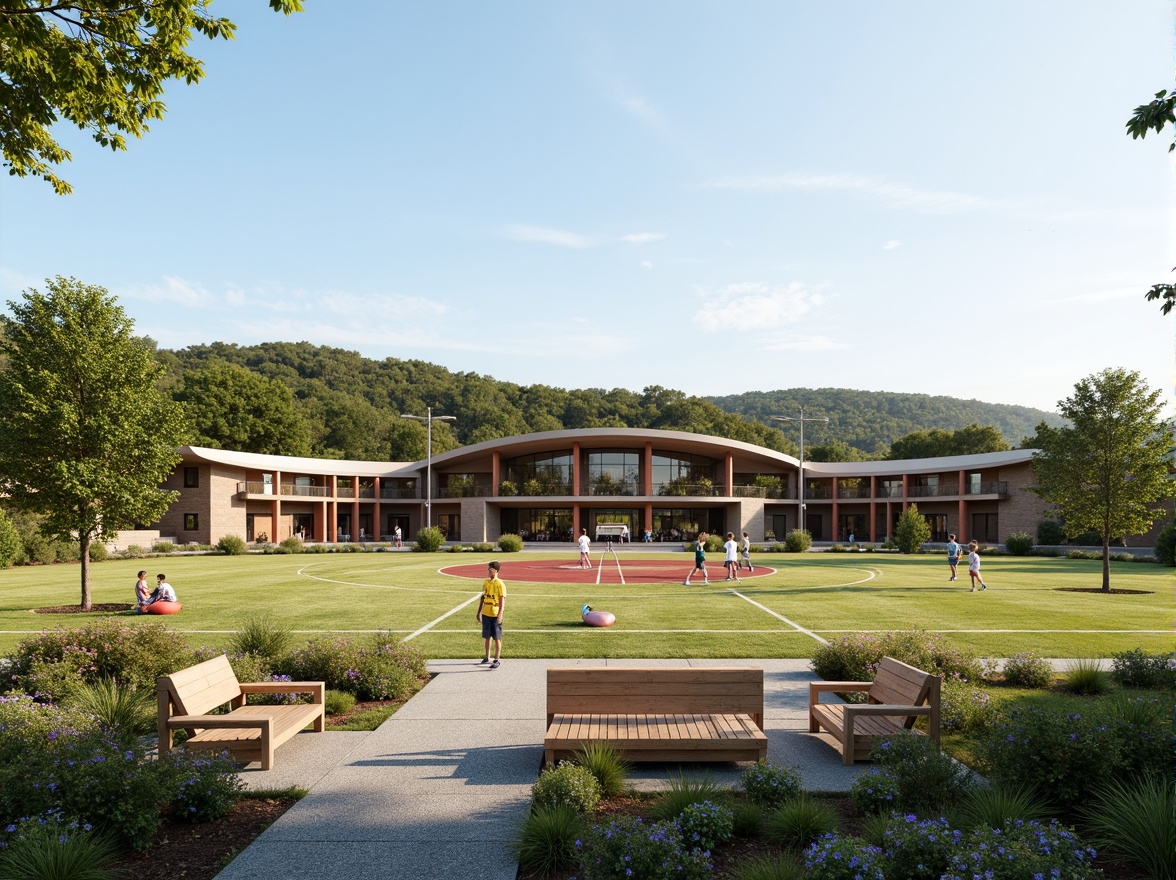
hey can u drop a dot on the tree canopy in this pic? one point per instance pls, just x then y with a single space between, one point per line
970 440
1108 471
86 438
1155 116
101 65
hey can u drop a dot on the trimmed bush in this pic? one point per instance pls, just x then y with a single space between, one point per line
163 547
1049 531
707 824
856 657
1166 545
769 786
338 702
429 540
98 552
963 707
291 545
1019 544
797 541
231 545
926 778
509 543
629 848
1027 670
566 784
1135 669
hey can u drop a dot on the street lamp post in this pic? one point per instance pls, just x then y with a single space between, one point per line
800 418
428 419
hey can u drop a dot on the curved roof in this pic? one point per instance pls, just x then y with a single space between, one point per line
325 466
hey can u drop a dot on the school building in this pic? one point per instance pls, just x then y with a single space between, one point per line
664 485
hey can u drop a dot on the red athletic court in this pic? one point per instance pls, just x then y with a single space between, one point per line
629 571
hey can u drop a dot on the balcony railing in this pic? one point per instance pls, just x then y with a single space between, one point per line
853 491
395 493
461 492
286 489
689 490
992 487
749 492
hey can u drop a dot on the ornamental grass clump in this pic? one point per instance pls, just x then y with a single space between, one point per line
1136 821
800 821
262 635
769 786
992 806
116 707
52 848
546 839
629 848
684 791
604 761
1021 850
567 784
1087 678
771 867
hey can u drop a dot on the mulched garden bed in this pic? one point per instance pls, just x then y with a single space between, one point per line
101 608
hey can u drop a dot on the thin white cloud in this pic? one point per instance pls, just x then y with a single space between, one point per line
767 305
646 264
644 237
796 342
891 245
544 235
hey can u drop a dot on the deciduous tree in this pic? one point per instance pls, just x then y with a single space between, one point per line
100 64
1155 116
86 438
1109 470
912 531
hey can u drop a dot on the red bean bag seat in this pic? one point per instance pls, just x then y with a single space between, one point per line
162 607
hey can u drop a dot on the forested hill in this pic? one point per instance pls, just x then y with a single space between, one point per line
872 420
301 399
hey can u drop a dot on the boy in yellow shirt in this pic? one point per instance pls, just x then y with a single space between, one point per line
490 611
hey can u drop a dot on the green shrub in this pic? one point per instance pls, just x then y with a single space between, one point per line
714 543
134 551
122 708
98 552
330 659
203 786
26 725
991 806
1135 669
963 707
11 548
605 762
458 548
291 545
568 784
912 531
1049 531
1142 727
135 654
838 857
163 547
1021 850
547 838
684 791
429 540
50 848
1027 670
380 670
927 778
707 824
748 819
838 548
1019 544
856 657
338 702
1137 822
1087 678
483 548
770 867
769 786
262 635
231 545
874 792
917 849
779 548
1166 545
801 821
509 543
1084 554
797 541
629 848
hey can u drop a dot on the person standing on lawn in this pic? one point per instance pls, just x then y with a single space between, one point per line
974 567
953 556
731 559
585 546
699 560
745 551
490 611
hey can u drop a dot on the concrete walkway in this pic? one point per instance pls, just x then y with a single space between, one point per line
439 789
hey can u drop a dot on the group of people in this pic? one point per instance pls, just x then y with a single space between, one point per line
145 596
737 554
953 560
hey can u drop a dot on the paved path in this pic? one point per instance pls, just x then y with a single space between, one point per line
438 790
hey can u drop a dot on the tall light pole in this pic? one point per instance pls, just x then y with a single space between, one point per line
428 420
800 418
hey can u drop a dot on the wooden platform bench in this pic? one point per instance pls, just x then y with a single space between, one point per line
898 695
248 733
657 714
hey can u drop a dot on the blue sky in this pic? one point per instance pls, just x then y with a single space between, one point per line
921 197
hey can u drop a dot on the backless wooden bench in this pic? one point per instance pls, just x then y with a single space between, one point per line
248 733
658 713
898 695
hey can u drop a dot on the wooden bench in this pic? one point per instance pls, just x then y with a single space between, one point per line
657 714
898 695
248 733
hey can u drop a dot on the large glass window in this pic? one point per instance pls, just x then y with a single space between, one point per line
684 524
541 474
613 473
538 524
683 474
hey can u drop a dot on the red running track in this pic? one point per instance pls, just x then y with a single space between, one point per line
636 571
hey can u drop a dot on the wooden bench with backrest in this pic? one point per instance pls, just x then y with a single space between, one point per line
657 714
898 695
248 733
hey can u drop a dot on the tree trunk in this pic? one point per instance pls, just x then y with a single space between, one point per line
87 604
1106 584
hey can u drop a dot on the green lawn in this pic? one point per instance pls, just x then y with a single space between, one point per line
816 594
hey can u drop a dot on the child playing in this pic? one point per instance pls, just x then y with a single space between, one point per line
699 560
974 567
731 560
953 556
745 551
142 593
490 611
